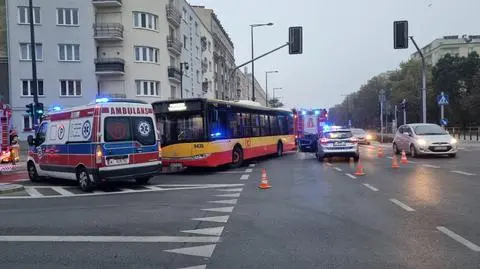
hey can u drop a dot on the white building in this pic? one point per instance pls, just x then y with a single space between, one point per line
65 51
454 45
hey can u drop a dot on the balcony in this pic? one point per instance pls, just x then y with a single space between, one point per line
174 74
107 3
203 41
204 66
108 31
109 66
173 15
205 86
174 45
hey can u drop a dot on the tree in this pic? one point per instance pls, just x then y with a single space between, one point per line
274 102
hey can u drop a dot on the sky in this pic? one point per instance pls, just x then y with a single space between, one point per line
345 42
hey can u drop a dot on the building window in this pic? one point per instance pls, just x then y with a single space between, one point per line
27 89
24 16
198 51
27 123
67 16
147 87
196 28
209 46
70 88
184 14
210 66
198 76
145 20
173 92
146 54
26 53
69 52
185 40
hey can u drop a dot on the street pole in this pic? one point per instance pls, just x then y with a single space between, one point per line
382 100
424 82
253 68
396 119
181 80
33 52
266 89
442 113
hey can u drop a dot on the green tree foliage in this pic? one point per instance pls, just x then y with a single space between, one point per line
274 102
459 77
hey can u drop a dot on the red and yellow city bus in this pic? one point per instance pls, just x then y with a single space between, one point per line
208 133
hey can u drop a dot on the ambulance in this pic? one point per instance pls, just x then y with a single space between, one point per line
107 140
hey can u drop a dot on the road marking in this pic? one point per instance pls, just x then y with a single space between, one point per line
412 161
202 251
21 180
154 188
338 169
33 192
113 239
220 209
244 177
232 195
249 170
430 166
62 191
230 172
202 185
232 190
370 187
350 176
329 164
389 157
195 267
220 219
252 165
215 231
462 173
402 205
228 202
459 239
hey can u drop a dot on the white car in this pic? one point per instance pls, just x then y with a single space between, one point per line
424 139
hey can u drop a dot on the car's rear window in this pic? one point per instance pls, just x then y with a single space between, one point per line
338 135
121 129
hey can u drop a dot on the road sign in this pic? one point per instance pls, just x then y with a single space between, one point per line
442 99
443 122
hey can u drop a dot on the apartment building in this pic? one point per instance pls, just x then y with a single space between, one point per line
223 54
260 95
64 53
242 86
454 45
4 81
131 48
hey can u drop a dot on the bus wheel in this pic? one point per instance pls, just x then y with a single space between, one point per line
84 182
279 149
237 157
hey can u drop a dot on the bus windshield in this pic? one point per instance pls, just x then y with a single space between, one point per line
177 128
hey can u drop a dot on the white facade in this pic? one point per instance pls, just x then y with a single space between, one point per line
133 64
65 53
454 45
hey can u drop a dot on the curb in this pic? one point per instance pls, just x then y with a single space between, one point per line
9 188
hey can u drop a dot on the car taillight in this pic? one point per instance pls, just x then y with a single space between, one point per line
354 140
323 141
98 154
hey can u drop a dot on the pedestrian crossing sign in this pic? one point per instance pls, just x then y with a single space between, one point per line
442 99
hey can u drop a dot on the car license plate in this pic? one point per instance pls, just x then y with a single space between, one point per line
176 165
441 148
117 161
340 144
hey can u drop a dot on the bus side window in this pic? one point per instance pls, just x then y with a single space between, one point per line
264 126
246 125
255 125
282 125
274 130
291 123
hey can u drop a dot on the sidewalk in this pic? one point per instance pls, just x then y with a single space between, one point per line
8 168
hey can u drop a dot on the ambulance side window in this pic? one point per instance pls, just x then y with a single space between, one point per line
41 134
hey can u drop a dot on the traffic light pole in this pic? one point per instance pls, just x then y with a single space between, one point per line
424 81
33 48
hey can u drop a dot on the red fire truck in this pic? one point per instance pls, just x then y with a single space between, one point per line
309 124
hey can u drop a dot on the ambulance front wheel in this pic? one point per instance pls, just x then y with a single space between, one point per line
84 181
32 172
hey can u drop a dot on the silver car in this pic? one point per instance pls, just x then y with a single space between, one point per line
338 143
424 139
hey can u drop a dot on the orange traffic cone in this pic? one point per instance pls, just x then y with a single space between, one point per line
395 162
404 160
380 153
264 182
360 171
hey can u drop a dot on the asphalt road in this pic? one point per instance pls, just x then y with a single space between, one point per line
316 215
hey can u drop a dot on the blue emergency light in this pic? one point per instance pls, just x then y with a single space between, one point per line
102 100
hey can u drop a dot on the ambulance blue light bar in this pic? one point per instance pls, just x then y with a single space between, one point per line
102 100
56 108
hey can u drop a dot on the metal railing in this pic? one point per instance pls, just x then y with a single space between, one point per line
108 31
109 65
173 15
174 73
465 134
174 45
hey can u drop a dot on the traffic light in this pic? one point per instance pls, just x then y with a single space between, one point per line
400 34
30 109
39 109
295 40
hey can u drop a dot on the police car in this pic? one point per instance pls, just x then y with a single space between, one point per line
107 140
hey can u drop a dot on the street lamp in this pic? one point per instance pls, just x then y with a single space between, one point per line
266 85
253 63
182 65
